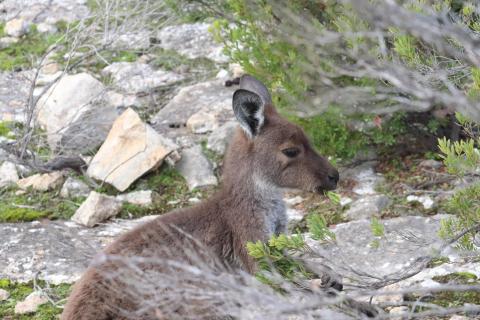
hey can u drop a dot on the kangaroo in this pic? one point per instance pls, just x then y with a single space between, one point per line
267 153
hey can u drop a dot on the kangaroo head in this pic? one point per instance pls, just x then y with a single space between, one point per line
279 150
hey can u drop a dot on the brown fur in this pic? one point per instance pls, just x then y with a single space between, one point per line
248 207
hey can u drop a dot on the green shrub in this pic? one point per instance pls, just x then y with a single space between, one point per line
460 158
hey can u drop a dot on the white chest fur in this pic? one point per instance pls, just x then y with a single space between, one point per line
271 206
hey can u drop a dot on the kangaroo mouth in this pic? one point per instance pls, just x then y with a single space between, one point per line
321 189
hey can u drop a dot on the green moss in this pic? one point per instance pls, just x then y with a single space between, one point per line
34 205
437 262
27 51
170 60
5 128
456 278
19 291
12 214
171 192
210 154
456 298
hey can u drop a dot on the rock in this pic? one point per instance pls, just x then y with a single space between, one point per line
210 96
96 209
8 174
202 122
51 68
430 163
344 201
366 180
391 295
196 168
367 207
134 77
424 279
458 317
55 251
45 79
42 182
222 74
294 215
194 200
236 70
141 198
31 303
73 188
426 201
46 28
122 101
219 138
294 201
6 42
16 27
44 11
399 311
137 149
139 40
75 113
14 92
4 295
405 240
192 40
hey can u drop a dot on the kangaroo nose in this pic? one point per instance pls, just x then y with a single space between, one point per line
333 177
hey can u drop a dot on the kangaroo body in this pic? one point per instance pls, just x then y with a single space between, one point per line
266 153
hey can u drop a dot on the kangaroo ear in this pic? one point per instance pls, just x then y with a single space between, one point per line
248 108
252 84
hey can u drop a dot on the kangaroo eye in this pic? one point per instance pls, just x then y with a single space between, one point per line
291 152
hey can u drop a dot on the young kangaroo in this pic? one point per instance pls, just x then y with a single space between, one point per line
268 153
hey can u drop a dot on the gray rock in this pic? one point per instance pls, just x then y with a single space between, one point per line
74 188
192 40
6 42
430 163
42 182
75 114
31 303
139 40
44 11
120 101
399 311
366 179
137 149
219 138
210 96
405 239
426 201
367 207
16 27
46 28
4 295
202 122
134 77
96 209
141 198
8 174
196 168
55 251
14 89
424 278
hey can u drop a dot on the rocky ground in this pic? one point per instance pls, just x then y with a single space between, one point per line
158 135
